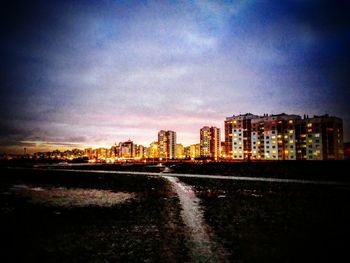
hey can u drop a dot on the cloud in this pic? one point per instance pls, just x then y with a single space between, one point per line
105 71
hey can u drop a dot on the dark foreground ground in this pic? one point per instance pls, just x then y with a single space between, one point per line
274 222
146 228
306 170
254 221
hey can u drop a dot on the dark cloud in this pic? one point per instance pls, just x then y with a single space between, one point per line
71 67
324 16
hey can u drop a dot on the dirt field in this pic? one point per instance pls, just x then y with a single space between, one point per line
143 228
59 216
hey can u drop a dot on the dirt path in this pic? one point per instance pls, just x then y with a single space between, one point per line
208 176
202 246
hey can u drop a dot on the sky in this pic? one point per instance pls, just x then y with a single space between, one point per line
92 73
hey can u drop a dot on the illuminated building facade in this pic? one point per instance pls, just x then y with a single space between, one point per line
273 137
195 151
180 151
238 136
222 150
140 152
153 150
167 144
320 138
210 142
187 152
127 149
283 137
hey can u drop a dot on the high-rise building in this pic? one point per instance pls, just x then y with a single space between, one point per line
320 138
284 137
210 142
273 137
167 144
237 136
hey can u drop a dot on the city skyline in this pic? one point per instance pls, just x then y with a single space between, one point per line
246 136
77 73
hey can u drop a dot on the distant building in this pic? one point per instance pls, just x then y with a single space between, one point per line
167 144
153 150
127 149
320 138
273 137
187 152
88 152
180 151
283 137
195 151
222 150
140 152
113 151
237 136
101 153
210 142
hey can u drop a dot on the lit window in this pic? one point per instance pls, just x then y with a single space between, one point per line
290 121
309 125
291 131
